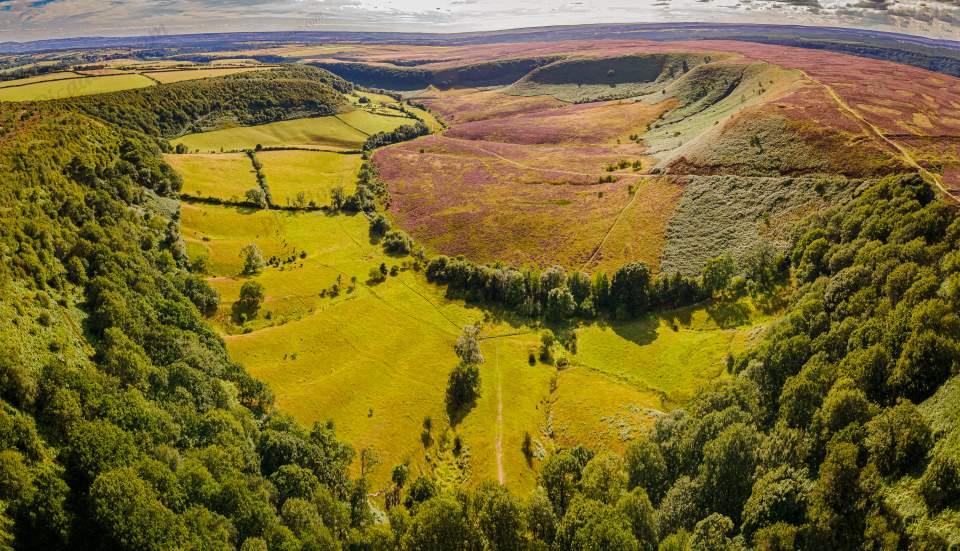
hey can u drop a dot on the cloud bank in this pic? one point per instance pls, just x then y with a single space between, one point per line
35 19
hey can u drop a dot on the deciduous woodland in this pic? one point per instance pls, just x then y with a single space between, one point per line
573 294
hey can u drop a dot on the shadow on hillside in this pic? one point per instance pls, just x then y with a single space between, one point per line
640 332
727 314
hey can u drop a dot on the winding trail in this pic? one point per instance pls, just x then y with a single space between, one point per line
878 134
473 144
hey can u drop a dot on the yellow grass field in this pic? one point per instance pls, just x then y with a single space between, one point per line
42 78
375 359
384 104
345 131
370 123
74 87
318 133
314 173
225 176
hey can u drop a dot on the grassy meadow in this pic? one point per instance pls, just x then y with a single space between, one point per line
224 176
314 173
317 133
73 87
375 358
61 75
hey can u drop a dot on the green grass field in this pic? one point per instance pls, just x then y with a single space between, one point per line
224 176
314 173
317 133
384 104
42 78
371 123
671 355
74 87
375 358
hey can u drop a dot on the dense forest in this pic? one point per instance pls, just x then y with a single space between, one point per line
255 97
125 425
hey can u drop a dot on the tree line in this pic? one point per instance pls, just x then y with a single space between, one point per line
632 291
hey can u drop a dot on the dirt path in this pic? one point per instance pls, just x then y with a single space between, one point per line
606 236
499 446
472 144
878 134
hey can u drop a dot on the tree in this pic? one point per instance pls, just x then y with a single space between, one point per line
717 273
630 289
940 483
540 517
580 286
727 469
589 525
636 507
128 512
560 475
780 495
441 524
463 387
499 517
604 478
680 507
836 497
294 481
710 534
252 259
337 197
379 225
646 468
468 345
926 362
256 197
397 242
898 439
251 298
560 304
300 201
369 459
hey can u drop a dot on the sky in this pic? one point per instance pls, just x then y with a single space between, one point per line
37 19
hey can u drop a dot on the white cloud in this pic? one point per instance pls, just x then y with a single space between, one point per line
32 19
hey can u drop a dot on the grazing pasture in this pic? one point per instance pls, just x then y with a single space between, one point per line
316 133
73 87
374 359
224 176
313 173
337 132
61 75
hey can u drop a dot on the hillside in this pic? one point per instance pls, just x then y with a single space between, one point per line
563 295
